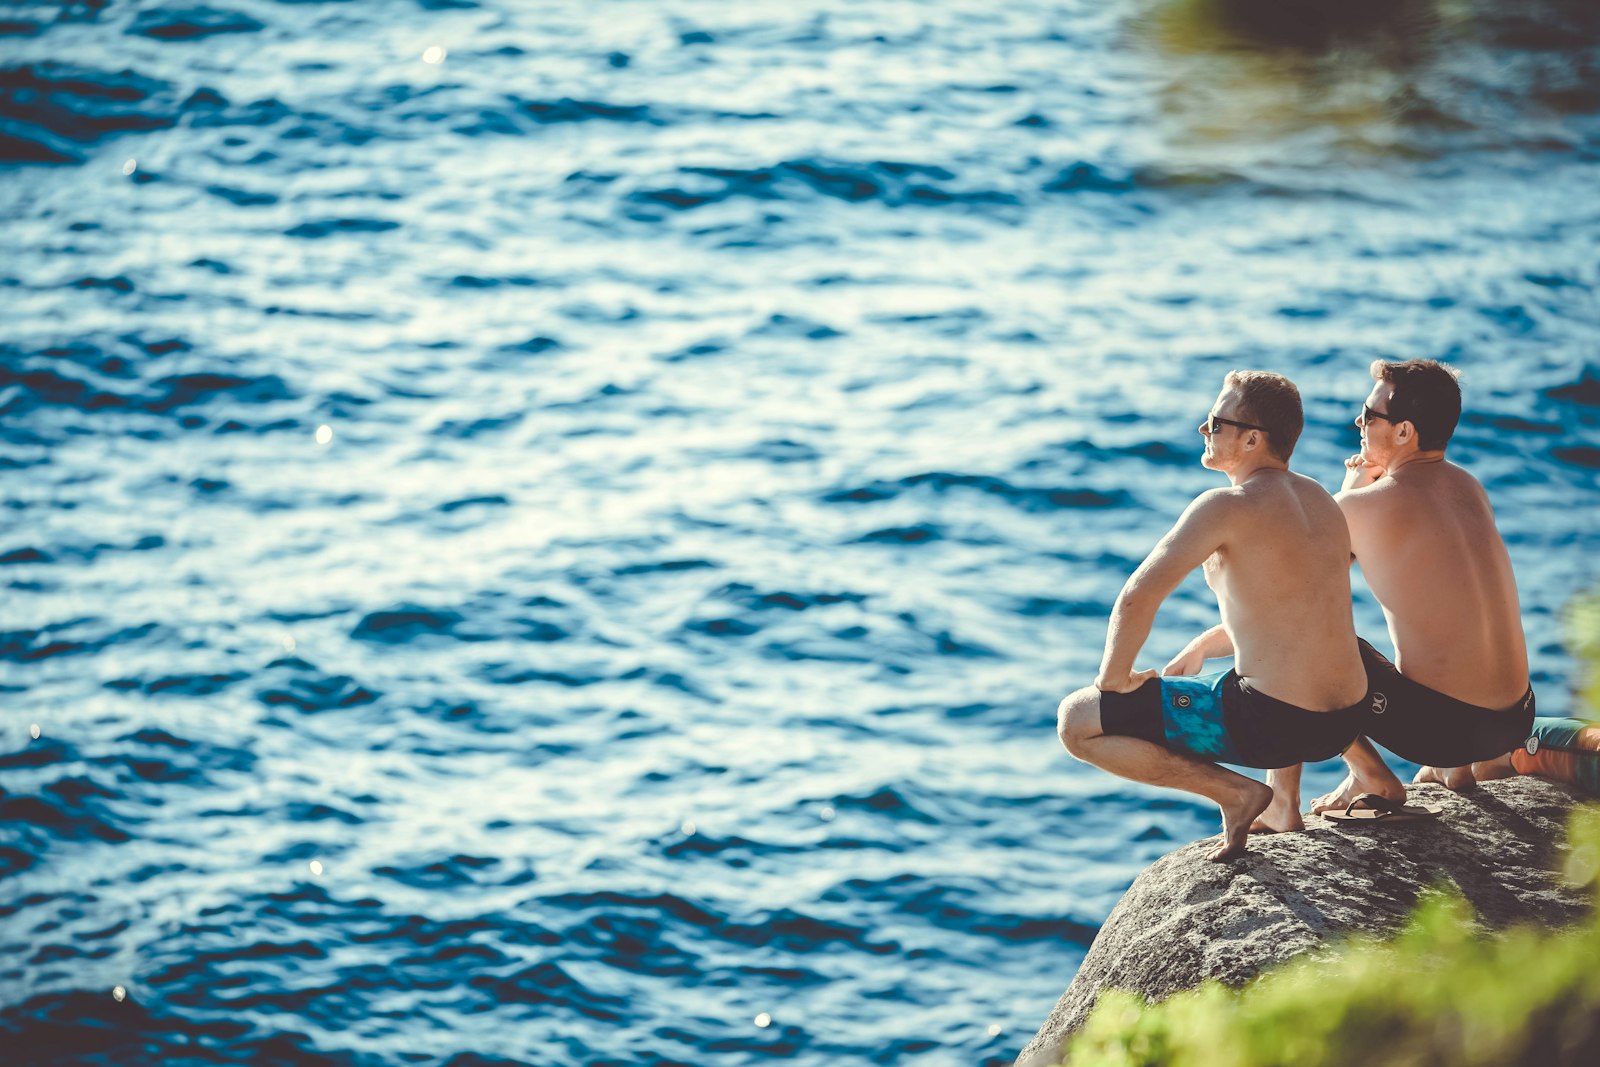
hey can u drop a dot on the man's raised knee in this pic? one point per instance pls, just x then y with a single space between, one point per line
1078 719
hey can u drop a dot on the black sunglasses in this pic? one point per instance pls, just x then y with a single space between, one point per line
1367 415
1213 421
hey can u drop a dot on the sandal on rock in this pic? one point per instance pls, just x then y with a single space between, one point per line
1373 807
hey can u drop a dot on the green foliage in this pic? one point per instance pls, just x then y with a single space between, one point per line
1583 639
1442 994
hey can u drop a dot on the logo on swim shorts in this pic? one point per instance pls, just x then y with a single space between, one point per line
1532 746
1182 700
1380 703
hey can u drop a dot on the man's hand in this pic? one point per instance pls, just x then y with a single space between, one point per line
1189 661
1360 472
1124 685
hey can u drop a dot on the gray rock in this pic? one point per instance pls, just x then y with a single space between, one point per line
1185 920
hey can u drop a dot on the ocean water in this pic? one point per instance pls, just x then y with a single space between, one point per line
553 533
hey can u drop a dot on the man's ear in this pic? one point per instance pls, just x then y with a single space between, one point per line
1253 440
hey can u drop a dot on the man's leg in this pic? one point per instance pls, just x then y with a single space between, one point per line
1283 814
1368 774
1241 799
1488 770
1456 778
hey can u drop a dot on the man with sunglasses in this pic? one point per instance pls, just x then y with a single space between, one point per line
1424 534
1276 553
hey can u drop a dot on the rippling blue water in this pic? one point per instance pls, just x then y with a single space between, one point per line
740 419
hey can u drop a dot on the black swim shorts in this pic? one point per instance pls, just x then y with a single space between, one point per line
1220 718
1425 726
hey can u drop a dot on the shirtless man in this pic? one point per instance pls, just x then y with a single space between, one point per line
1277 554
1423 532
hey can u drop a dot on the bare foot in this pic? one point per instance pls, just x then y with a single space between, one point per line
1388 787
1489 770
1237 815
1455 779
1281 817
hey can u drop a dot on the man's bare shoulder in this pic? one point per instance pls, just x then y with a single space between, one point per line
1376 510
1462 479
1215 503
1381 497
1213 508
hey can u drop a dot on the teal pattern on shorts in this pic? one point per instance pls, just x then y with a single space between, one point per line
1552 732
1191 715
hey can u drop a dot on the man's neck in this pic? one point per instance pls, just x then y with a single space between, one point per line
1240 475
1417 458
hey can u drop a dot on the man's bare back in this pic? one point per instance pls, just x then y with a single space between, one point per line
1426 541
1283 594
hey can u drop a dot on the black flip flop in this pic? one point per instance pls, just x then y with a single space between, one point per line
1377 808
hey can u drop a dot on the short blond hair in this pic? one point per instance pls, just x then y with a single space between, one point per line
1272 402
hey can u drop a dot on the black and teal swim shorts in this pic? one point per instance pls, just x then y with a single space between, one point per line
1220 718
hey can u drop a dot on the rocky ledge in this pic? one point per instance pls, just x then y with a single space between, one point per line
1185 920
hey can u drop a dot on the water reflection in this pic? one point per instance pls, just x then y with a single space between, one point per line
1402 27
1308 82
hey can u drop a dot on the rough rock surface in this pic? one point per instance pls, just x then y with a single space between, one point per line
1185 920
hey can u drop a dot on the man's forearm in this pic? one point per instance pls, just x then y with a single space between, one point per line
1214 643
1131 619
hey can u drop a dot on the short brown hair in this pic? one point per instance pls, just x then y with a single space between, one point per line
1272 402
1426 394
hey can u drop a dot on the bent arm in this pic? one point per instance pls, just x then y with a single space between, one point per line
1363 515
1197 534
1358 473
1213 643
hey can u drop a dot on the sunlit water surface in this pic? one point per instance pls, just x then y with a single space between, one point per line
553 533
